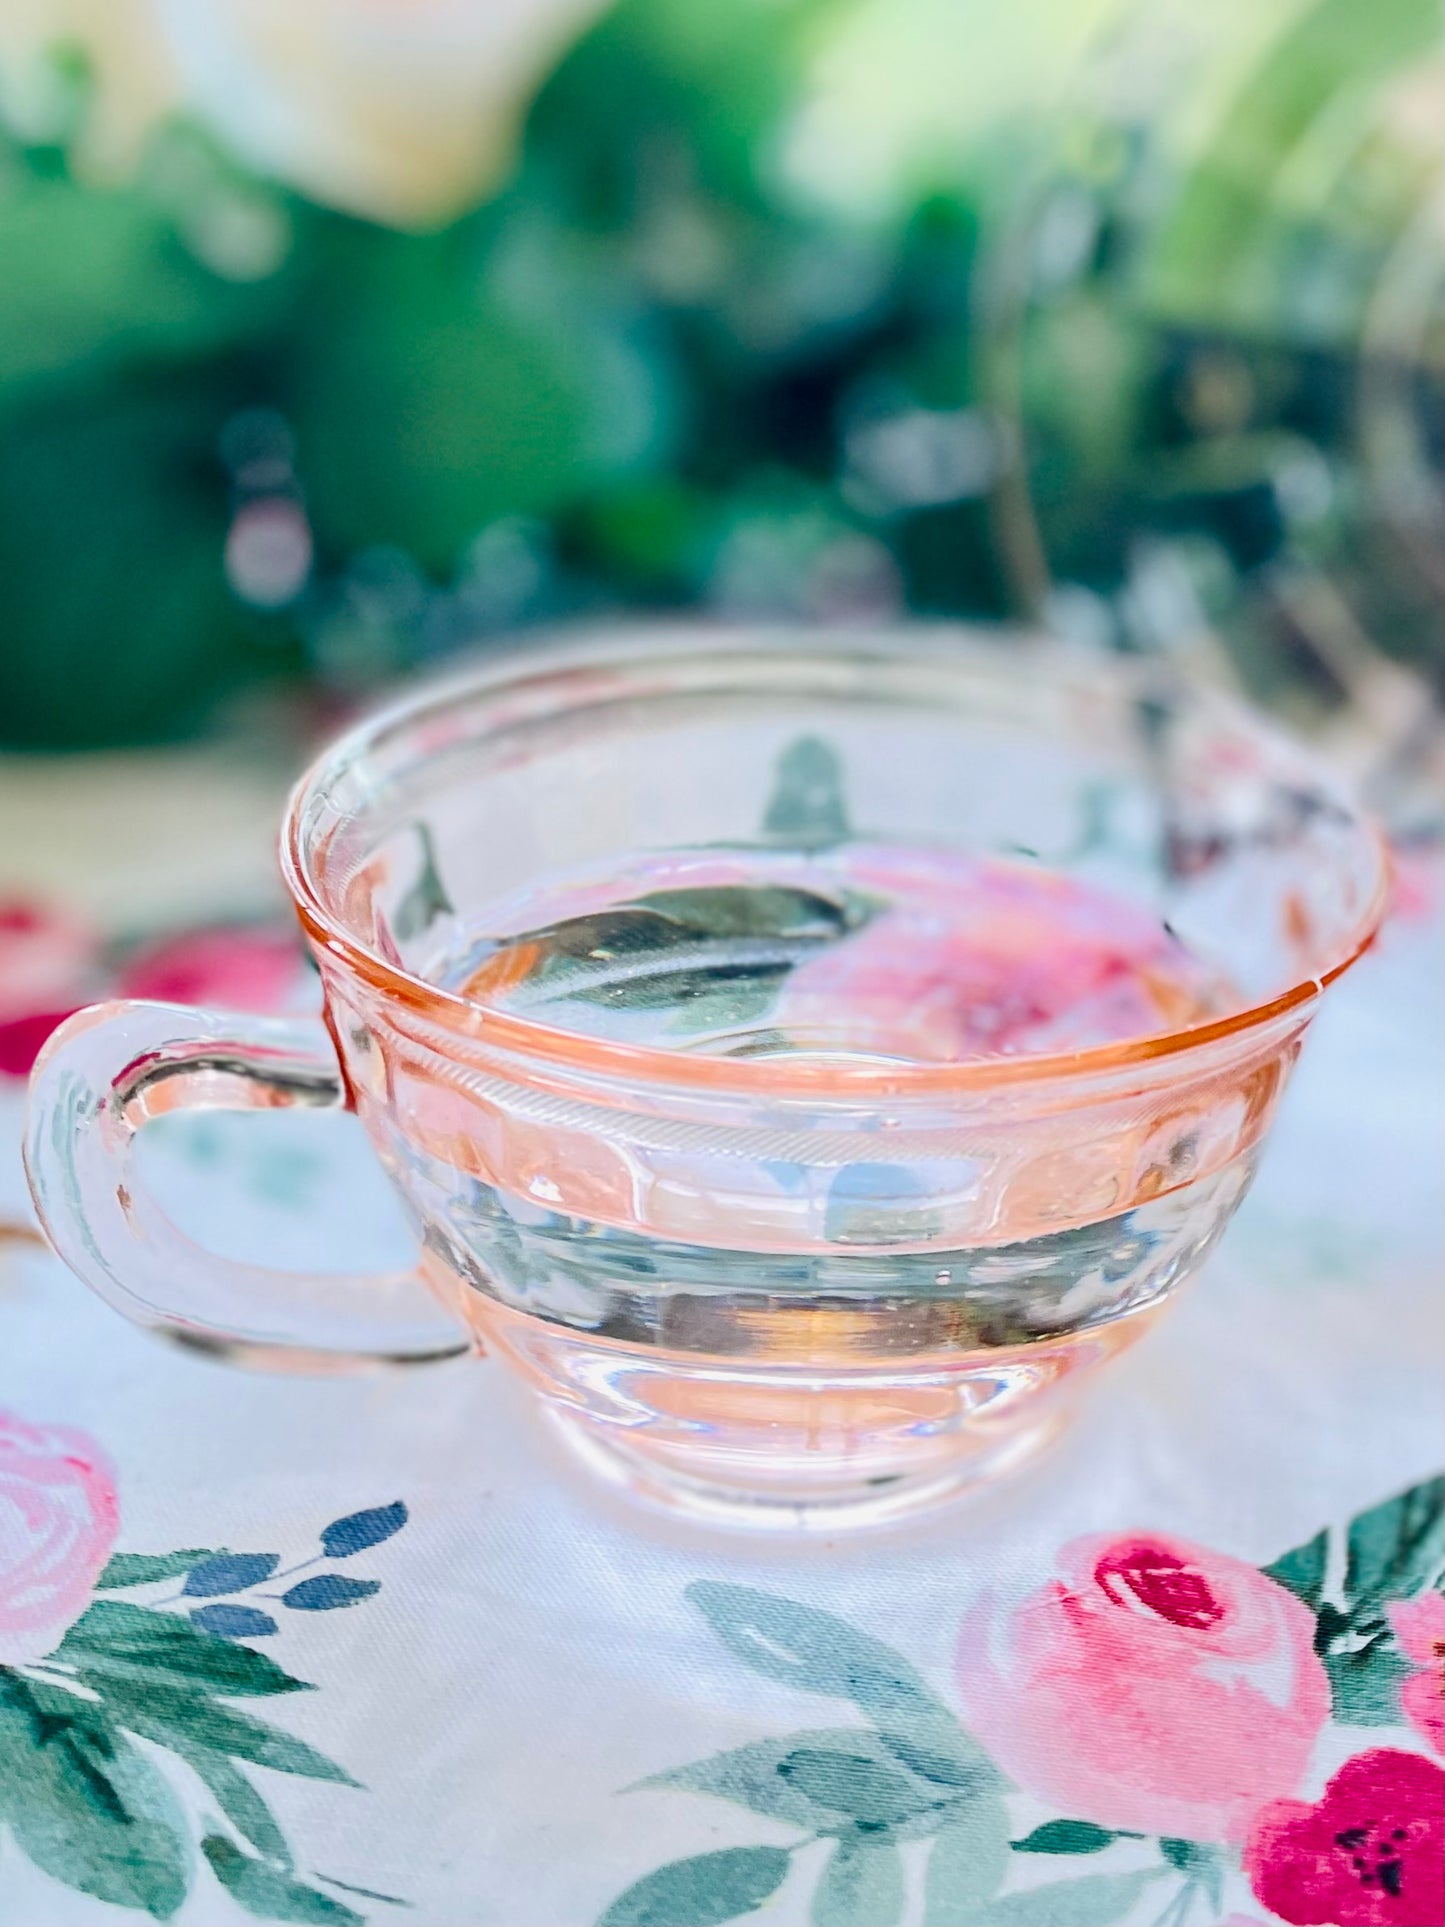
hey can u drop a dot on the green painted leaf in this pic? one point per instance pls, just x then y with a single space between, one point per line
144 1568
165 1713
1189 1856
861 1885
1365 1684
364 1893
1397 1549
85 1805
270 1894
818 1653
1302 1570
1331 1626
113 1638
812 1779
1069 1836
803 1647
1098 1900
967 1865
960 1767
852 1780
1205 1865
238 1800
807 807
701 1892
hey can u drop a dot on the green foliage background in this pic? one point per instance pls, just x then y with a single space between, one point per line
1072 378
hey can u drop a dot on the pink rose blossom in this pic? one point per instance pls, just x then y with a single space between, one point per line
47 969
980 957
23 1038
1370 1853
1419 1627
46 959
238 969
1154 1685
1416 888
58 1521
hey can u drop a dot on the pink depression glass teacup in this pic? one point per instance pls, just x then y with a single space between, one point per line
794 1278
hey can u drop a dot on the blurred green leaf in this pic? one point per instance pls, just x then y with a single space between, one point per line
1237 249
94 280
660 86
113 515
424 410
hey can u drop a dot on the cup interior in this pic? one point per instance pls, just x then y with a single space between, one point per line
418 826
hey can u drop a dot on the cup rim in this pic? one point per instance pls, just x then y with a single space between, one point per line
641 1064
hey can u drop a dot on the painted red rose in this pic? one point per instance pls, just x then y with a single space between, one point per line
1370 1853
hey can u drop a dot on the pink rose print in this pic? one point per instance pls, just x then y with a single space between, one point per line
1418 877
1154 1686
1371 1853
238 969
51 964
58 1521
46 972
978 958
45 958
23 1038
1419 1627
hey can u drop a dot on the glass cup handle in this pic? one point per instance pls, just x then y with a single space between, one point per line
101 1077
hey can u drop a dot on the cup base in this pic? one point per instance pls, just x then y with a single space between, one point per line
802 1505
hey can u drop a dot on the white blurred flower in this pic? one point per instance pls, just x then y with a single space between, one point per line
125 49
400 109
900 89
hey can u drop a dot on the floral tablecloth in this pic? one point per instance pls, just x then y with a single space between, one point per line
332 1650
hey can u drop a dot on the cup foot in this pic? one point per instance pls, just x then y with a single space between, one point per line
800 1504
